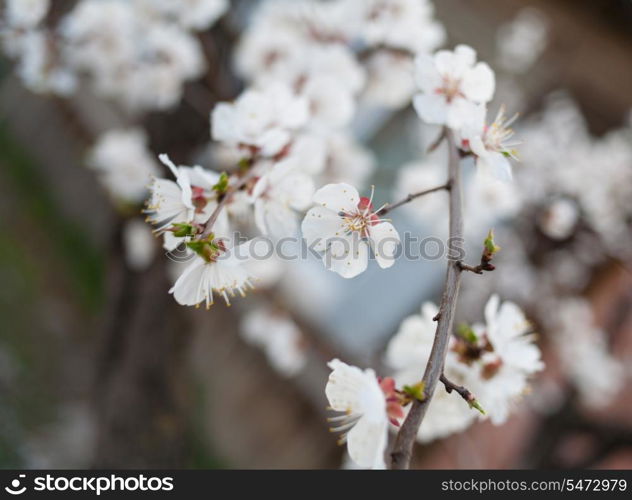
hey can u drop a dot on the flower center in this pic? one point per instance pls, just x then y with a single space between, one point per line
451 88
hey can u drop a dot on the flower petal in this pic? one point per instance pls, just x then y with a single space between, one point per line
338 197
478 84
384 242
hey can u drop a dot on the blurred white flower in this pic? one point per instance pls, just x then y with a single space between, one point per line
583 351
521 41
402 24
559 218
278 195
491 143
365 421
25 14
452 84
343 226
278 336
260 119
390 81
191 14
139 244
347 161
124 163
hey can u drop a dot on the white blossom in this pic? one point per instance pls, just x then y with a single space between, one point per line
491 143
278 336
139 243
278 195
215 269
191 14
365 421
262 119
452 84
559 218
124 164
343 226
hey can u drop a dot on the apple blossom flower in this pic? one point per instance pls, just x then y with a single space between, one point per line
368 404
189 200
390 81
215 269
277 197
260 119
452 84
344 226
124 164
278 336
492 143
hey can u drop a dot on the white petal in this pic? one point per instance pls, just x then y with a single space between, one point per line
431 108
427 77
319 225
366 442
345 385
384 239
479 83
338 197
188 290
350 262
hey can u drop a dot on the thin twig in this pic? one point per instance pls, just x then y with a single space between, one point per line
437 141
462 391
392 206
208 227
403 447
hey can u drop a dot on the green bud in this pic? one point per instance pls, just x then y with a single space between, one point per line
476 405
181 230
222 183
206 248
490 245
415 391
466 332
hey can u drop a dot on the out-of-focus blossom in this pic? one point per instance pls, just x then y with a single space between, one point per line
261 120
278 336
401 24
559 218
583 350
124 164
452 84
139 243
521 41
390 81
278 195
25 14
343 226
191 14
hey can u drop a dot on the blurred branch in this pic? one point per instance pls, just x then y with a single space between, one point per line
388 207
402 450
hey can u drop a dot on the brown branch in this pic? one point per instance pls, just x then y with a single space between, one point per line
486 259
388 207
403 447
462 391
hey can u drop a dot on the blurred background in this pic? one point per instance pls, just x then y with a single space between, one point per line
99 367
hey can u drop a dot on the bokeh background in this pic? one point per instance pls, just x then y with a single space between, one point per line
99 367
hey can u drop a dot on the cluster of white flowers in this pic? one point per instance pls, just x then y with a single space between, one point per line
137 52
337 51
494 361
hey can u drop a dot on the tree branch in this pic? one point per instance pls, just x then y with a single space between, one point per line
464 392
402 450
208 227
392 206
